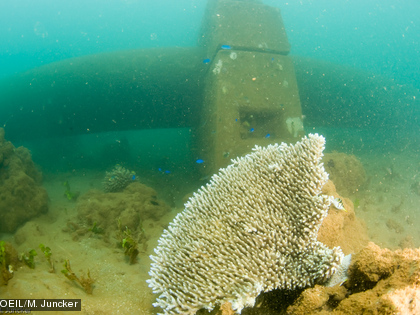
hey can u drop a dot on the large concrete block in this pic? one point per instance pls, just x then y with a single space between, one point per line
246 25
250 98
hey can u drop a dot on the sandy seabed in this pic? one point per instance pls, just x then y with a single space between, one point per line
386 212
119 287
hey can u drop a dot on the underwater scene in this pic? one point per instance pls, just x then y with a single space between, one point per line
210 156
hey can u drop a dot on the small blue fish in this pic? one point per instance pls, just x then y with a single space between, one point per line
199 161
133 177
160 169
225 47
267 135
167 172
206 61
236 119
251 130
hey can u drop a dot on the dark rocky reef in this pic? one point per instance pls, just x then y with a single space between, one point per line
21 195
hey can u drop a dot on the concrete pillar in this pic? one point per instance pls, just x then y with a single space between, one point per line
251 95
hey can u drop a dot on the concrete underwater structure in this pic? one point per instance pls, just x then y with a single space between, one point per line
237 88
251 95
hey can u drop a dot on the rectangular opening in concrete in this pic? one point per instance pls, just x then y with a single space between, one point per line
259 124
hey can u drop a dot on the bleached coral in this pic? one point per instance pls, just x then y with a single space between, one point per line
252 229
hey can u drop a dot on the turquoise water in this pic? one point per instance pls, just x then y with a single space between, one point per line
81 82
378 36
40 32
373 44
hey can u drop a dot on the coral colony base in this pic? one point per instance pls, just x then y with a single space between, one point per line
252 229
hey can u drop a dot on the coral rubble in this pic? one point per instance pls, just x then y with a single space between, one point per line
252 229
21 196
